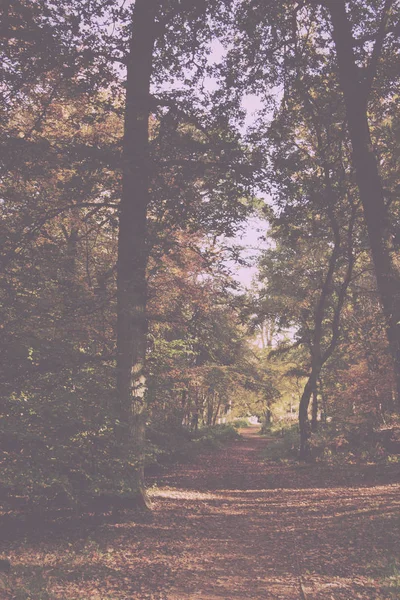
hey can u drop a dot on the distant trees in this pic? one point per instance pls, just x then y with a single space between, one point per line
324 72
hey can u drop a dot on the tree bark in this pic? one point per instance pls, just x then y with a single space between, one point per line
304 423
314 411
320 355
268 416
132 249
210 409
324 404
355 92
218 407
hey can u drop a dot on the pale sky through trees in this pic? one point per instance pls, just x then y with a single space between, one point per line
253 241
255 229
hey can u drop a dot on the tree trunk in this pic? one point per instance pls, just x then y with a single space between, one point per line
314 411
132 249
368 179
324 404
195 415
304 423
210 409
70 298
216 414
268 416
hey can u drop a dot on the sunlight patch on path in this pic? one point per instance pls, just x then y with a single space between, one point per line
180 494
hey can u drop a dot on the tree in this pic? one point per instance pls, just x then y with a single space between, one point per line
315 228
294 43
65 163
132 239
356 83
133 246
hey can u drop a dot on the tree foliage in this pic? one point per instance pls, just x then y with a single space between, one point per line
127 169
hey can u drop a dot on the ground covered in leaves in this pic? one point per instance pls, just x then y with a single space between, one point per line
226 526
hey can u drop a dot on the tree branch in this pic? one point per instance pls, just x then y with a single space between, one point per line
371 69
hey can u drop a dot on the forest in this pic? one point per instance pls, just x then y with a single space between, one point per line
142 141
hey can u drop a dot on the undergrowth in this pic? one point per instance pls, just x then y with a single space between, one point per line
283 443
240 424
333 445
180 445
388 575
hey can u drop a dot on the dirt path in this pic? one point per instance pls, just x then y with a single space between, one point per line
231 526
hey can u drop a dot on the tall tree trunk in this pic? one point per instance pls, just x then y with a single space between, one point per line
324 404
320 355
132 247
304 423
314 411
355 86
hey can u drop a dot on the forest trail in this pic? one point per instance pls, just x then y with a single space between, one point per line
232 526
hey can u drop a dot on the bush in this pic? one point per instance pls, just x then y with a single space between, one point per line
167 444
219 434
240 423
284 445
356 440
178 444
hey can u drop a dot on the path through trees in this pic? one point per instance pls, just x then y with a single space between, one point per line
231 526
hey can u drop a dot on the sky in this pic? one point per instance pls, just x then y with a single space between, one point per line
253 242
253 236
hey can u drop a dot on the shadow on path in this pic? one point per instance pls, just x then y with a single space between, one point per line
232 526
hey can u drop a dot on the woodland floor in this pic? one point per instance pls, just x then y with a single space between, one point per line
227 526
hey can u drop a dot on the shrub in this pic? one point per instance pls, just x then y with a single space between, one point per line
240 423
284 445
178 444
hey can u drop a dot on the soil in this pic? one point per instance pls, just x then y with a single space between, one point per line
228 526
